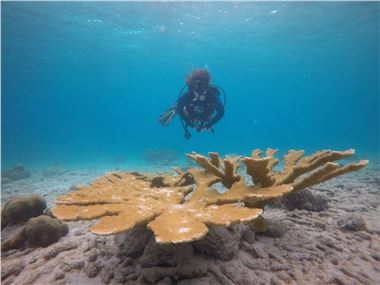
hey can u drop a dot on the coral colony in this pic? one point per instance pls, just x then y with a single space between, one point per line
179 207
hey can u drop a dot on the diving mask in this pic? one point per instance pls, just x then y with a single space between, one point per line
199 86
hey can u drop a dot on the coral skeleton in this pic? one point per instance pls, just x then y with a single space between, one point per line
180 206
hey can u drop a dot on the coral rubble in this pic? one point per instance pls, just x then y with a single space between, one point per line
179 207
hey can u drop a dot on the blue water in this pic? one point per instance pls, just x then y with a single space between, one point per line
86 81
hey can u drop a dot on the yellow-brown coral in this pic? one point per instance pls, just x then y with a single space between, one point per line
180 207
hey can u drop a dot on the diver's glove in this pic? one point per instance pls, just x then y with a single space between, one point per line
204 129
189 125
207 126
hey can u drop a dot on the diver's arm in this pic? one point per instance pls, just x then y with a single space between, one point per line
219 108
182 103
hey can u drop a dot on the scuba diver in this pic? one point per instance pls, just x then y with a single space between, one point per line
199 107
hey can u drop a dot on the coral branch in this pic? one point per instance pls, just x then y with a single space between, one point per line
214 159
207 164
326 174
297 167
177 227
227 172
260 170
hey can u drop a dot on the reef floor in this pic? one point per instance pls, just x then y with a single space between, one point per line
337 243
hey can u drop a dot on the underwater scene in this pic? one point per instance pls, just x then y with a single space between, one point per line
190 142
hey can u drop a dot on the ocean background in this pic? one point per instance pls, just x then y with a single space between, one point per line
83 83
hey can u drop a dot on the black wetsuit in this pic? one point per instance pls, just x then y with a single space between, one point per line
194 111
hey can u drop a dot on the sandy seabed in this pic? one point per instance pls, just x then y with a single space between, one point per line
339 245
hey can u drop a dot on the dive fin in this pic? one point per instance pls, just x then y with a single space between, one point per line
168 116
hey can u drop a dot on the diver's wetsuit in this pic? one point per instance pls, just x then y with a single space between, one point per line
192 109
